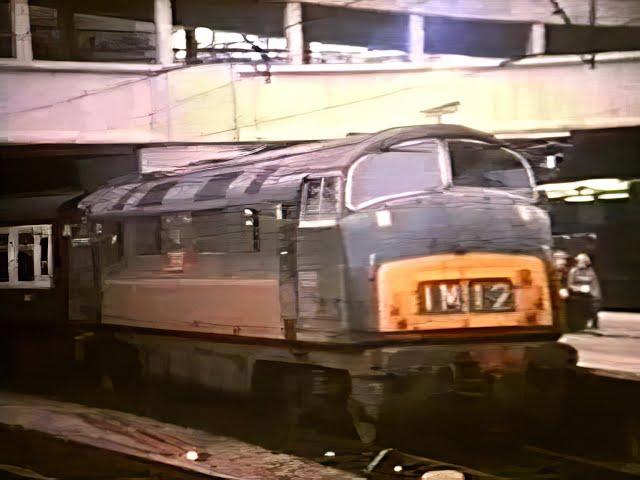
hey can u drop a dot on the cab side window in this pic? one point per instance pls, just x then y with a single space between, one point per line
480 164
321 201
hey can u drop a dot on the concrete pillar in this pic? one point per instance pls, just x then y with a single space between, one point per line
537 39
293 32
67 28
192 45
164 23
21 30
416 38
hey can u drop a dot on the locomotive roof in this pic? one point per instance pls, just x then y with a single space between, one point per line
267 173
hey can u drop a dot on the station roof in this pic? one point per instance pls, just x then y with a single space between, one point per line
268 174
609 12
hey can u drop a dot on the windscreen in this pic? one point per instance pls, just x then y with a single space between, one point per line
380 176
478 164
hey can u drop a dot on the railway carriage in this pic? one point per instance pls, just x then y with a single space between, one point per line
411 251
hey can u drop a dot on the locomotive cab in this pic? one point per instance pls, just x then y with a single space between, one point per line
438 234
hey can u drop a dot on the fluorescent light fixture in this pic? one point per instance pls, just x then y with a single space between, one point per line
613 196
335 48
558 186
606 184
561 193
580 198
383 218
587 187
532 135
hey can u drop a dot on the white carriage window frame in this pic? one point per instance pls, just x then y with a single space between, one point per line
39 280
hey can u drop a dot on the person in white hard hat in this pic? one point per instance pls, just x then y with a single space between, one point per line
584 288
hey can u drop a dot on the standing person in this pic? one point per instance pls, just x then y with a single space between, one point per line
561 264
584 289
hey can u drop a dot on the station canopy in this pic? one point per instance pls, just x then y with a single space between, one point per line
468 27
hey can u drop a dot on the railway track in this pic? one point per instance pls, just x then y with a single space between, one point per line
379 462
390 464
518 463
599 401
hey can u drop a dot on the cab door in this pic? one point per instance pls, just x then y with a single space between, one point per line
320 259
287 218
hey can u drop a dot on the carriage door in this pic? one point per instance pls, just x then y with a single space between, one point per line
287 217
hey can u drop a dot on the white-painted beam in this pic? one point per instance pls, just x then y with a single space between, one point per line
164 24
293 32
21 30
416 38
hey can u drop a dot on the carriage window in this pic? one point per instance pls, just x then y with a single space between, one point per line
177 234
381 176
4 257
44 256
25 253
226 232
478 164
147 235
26 270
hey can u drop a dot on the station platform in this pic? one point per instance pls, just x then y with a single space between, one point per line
613 349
